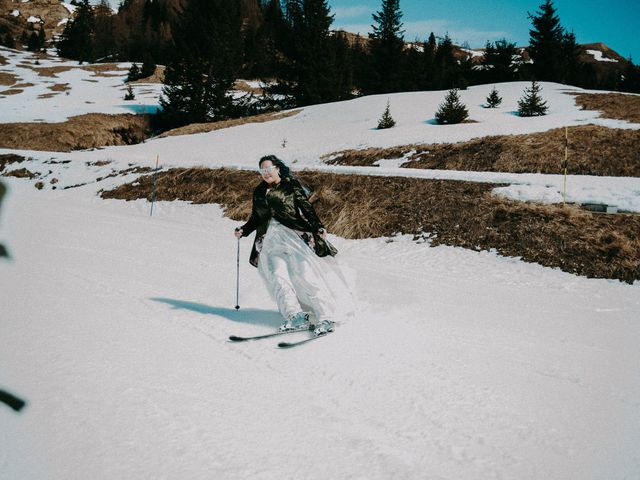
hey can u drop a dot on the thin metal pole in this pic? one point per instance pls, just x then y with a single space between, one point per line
155 179
566 154
238 277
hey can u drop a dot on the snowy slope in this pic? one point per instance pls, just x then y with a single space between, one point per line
460 365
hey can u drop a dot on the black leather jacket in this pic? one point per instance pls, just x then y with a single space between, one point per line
288 204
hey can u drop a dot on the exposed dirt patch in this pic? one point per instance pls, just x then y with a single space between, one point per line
210 127
11 91
618 106
59 87
3 60
454 213
8 79
593 150
50 71
157 77
243 86
80 132
23 85
8 159
21 173
48 95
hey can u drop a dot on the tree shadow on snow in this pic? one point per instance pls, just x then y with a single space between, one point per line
252 316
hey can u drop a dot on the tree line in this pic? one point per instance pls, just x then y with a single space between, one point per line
208 44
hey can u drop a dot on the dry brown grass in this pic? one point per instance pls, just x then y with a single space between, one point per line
8 159
3 60
23 85
50 71
11 91
8 79
59 87
210 127
243 86
454 213
80 132
22 173
48 95
619 106
157 77
593 150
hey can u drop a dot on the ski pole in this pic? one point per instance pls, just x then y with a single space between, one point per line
238 277
155 178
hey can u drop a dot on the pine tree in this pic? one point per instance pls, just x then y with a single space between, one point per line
545 43
428 61
531 104
630 81
446 67
9 41
452 110
134 73
207 59
76 41
387 48
493 100
129 95
497 62
386 121
33 45
148 66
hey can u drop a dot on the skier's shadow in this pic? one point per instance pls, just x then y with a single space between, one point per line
251 316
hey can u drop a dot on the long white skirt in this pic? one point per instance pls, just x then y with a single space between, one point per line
298 280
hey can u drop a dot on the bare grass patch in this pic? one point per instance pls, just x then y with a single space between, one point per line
463 214
59 87
593 150
8 79
78 133
8 159
619 106
12 91
210 127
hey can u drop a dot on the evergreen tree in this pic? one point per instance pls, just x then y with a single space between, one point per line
387 48
445 65
426 81
134 73
9 41
497 62
76 41
554 51
494 99
313 69
33 45
630 78
129 95
531 103
452 110
148 66
208 55
103 32
386 121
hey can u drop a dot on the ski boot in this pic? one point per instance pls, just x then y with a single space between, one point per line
300 321
323 327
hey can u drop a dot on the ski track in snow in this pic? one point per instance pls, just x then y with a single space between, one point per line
460 364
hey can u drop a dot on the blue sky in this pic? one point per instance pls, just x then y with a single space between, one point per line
615 23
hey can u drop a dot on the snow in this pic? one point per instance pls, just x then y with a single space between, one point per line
460 365
599 56
70 8
16 13
88 92
473 53
33 19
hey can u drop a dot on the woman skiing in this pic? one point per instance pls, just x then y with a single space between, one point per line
292 253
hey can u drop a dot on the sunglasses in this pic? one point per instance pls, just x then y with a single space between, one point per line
264 171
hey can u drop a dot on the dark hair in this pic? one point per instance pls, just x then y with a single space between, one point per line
284 170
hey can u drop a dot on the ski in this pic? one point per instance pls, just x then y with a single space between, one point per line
300 342
235 338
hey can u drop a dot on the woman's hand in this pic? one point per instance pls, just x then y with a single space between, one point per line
238 232
323 233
